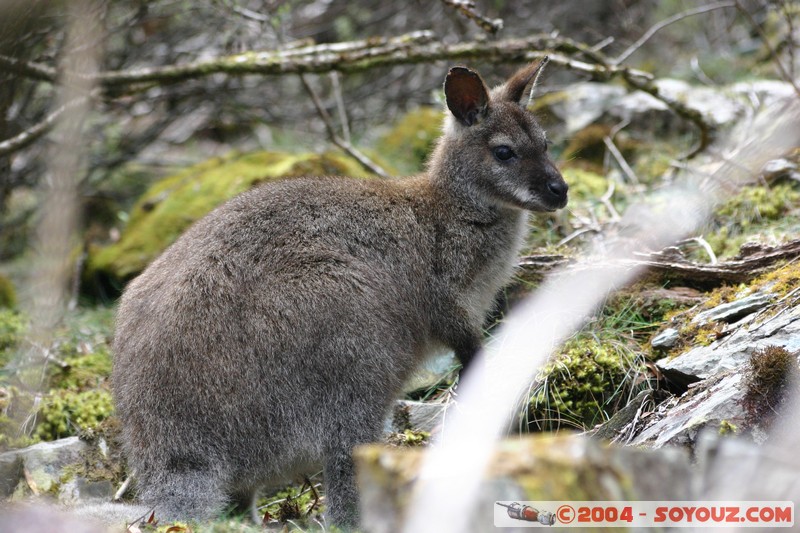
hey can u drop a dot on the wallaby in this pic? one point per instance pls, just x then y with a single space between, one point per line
276 332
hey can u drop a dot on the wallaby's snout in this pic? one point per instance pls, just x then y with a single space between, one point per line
556 186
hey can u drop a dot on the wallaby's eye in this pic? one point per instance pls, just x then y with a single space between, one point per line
547 143
503 153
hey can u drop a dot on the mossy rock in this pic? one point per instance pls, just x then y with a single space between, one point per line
8 295
172 204
410 141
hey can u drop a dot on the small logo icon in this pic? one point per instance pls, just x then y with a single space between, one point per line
528 513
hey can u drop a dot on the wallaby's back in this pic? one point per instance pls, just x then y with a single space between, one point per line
276 332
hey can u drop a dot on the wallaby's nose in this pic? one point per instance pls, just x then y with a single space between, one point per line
558 188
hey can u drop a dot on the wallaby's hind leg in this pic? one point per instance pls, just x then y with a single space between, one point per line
341 491
186 495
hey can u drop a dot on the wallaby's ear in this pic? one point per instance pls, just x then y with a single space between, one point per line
514 88
467 96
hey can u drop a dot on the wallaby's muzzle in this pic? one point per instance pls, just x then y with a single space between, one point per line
556 194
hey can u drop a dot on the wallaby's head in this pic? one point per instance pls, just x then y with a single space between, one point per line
493 145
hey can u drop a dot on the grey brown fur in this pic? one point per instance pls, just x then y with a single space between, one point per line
276 332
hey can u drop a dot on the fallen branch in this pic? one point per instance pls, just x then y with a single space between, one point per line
753 260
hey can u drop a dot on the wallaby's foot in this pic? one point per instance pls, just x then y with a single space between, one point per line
244 503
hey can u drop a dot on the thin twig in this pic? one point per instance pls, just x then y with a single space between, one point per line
606 201
244 12
337 94
467 8
365 161
602 44
666 22
124 487
620 159
784 73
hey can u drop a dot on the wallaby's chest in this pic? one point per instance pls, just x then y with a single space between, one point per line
476 259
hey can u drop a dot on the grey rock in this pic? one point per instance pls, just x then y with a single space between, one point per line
733 351
42 462
80 490
584 103
780 168
10 472
732 311
679 420
418 416
666 339
731 468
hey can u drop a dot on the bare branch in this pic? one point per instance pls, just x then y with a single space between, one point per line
706 130
358 56
365 161
467 8
35 71
666 22
29 136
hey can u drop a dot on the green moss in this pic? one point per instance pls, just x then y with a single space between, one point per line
12 325
100 463
727 428
410 141
409 437
780 281
582 387
84 371
584 185
65 413
175 202
8 296
755 213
